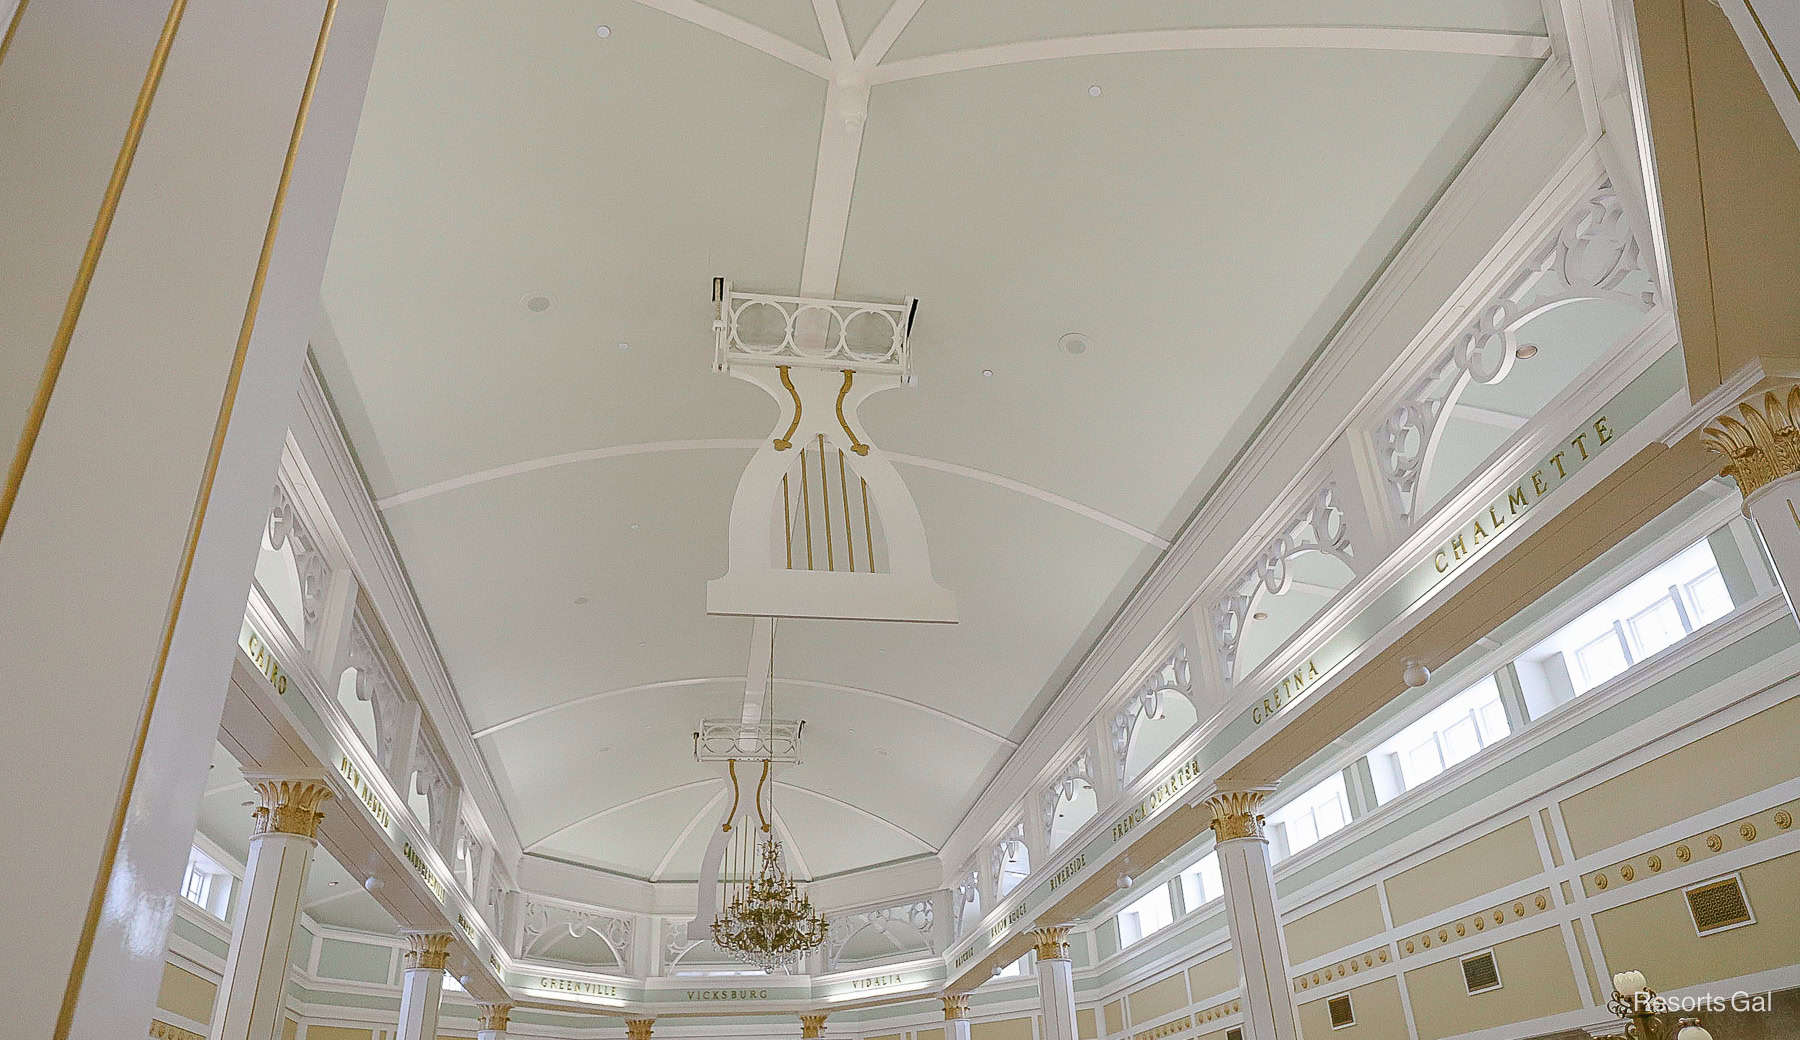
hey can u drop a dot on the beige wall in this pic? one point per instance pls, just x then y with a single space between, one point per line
1001 1029
1353 918
1158 998
1114 1016
1536 980
1656 935
1379 1015
186 994
1213 976
1495 859
934 1033
1085 1026
336 1033
1739 760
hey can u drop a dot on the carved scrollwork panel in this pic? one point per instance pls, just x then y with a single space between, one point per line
1318 527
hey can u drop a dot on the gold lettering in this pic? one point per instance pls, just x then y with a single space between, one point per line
1312 669
1601 430
1495 518
1515 500
1456 547
1479 533
1443 564
1579 446
1557 458
1537 483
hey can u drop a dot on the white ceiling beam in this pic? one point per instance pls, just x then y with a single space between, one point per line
747 444
746 33
1255 37
834 181
831 26
1489 416
857 809
892 24
667 684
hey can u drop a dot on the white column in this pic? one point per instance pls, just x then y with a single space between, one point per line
1056 982
956 1016
282 841
152 336
493 1021
426 955
1761 448
1250 911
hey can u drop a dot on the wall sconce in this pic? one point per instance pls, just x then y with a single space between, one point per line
1635 1002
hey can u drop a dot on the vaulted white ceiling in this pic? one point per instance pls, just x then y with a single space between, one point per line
558 481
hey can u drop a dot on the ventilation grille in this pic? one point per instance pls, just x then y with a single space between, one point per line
1718 904
1341 1012
1480 973
1234 1033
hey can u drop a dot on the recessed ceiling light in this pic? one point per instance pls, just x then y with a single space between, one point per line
247 804
1261 615
1094 91
1526 352
331 884
604 748
1073 343
603 31
622 345
537 303
634 525
581 601
987 373
883 752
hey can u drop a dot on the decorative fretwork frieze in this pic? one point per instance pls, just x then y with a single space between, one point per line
1593 255
1009 848
965 902
905 924
1075 775
1320 526
375 684
676 943
285 529
1145 701
543 919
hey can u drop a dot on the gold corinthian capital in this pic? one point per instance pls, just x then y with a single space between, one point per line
812 1025
494 1016
956 1005
1052 943
428 950
1235 814
638 1028
287 805
1760 442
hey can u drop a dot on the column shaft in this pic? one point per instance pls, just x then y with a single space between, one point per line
1244 866
251 992
151 341
424 985
1056 983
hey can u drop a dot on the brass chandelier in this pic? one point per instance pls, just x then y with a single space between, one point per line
765 920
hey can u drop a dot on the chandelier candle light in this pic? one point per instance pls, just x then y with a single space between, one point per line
1639 1005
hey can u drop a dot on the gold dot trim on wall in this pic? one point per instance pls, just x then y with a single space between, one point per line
1735 834
1349 966
1496 916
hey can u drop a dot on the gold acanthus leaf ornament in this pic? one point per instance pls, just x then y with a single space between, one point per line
1760 444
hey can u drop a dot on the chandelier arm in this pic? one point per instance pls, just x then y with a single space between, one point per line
760 784
731 767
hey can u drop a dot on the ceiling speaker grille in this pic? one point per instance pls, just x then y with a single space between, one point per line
1718 904
1342 1014
1480 973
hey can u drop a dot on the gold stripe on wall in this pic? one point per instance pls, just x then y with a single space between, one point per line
12 27
110 851
90 257
1768 41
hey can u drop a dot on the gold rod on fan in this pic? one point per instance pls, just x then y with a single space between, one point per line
759 791
731 767
806 508
787 522
849 539
825 498
868 531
